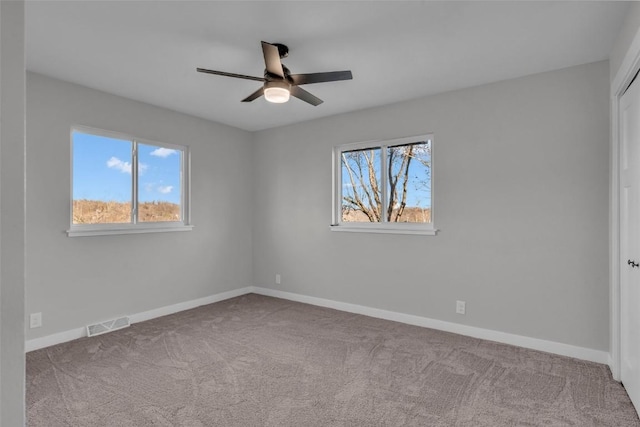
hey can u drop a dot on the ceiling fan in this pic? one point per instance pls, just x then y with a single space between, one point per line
278 81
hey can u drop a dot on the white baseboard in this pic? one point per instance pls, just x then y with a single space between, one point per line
73 334
472 331
49 340
615 373
181 306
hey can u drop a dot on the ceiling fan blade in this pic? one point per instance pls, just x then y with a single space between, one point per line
254 95
305 96
272 59
331 76
222 73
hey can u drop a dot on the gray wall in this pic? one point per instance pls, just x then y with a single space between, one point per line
12 223
76 281
521 199
625 37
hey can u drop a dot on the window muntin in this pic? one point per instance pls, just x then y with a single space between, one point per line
384 185
123 184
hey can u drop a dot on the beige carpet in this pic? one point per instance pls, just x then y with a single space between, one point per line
260 361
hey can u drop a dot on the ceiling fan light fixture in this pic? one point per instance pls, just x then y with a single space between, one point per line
277 92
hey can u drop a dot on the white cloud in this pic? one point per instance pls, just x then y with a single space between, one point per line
166 189
125 167
117 164
163 152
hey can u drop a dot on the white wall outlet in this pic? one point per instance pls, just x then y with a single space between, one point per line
278 279
35 320
461 307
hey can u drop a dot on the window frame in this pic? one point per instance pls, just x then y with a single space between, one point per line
378 227
135 227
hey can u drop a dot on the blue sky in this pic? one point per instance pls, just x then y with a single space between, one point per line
102 170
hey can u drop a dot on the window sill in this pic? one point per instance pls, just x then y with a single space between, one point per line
396 229
84 231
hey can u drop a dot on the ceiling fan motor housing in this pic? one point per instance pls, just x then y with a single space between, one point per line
269 76
283 50
277 83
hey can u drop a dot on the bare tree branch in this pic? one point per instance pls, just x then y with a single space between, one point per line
356 200
373 179
408 155
365 194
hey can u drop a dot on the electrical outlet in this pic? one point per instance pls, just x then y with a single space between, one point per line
461 307
278 279
35 320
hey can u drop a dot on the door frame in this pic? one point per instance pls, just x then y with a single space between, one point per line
622 80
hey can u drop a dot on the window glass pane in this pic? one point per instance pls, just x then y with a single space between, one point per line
101 179
159 184
409 183
361 192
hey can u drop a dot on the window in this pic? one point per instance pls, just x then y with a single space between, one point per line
384 186
122 184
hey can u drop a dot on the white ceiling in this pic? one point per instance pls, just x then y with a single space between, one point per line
148 51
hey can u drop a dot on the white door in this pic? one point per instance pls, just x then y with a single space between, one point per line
630 243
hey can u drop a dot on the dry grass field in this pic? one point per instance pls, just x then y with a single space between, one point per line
99 212
410 214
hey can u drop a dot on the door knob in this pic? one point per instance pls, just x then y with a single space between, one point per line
633 264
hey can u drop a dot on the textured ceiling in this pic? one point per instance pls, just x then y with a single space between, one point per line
148 51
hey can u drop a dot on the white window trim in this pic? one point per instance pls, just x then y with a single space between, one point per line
377 227
80 230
